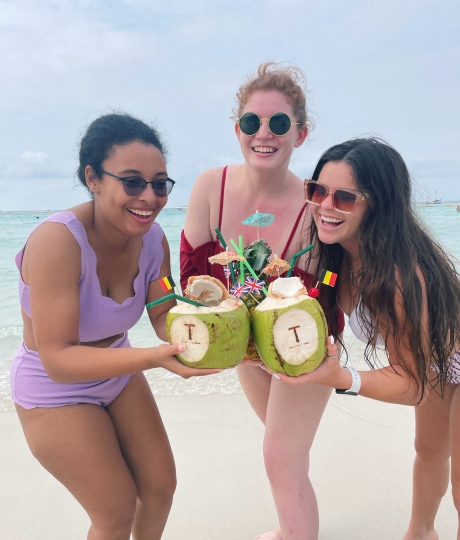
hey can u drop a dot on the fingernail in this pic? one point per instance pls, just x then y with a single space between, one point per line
331 340
276 376
262 367
181 347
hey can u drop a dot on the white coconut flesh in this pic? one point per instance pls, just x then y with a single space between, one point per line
191 331
287 287
295 332
206 289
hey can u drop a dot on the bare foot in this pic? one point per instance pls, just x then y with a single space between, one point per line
427 535
272 535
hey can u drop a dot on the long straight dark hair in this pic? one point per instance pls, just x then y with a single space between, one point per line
392 239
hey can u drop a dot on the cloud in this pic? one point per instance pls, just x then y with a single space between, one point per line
34 158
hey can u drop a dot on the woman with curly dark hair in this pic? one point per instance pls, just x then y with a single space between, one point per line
402 294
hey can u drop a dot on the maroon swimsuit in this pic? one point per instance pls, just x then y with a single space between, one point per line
194 261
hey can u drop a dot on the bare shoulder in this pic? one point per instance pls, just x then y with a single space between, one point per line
51 248
208 181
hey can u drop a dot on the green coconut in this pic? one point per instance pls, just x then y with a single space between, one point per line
290 329
215 336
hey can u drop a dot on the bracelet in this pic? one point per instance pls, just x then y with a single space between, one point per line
355 383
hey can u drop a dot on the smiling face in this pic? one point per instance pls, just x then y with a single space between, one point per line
132 215
336 227
265 150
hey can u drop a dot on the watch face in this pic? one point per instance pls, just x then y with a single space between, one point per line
345 392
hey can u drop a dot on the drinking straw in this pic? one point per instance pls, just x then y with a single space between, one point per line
224 245
295 257
248 266
240 242
173 296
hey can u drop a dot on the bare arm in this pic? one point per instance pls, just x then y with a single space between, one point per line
389 384
51 267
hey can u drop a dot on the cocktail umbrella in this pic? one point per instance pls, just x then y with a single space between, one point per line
276 267
224 259
259 220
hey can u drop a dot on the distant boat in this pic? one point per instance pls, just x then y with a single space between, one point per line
434 201
183 208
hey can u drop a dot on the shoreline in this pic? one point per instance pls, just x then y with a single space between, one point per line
360 467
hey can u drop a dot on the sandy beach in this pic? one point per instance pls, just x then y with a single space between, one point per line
361 469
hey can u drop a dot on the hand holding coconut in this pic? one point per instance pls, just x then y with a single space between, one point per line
164 356
329 373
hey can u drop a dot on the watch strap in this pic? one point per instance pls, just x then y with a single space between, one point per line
355 383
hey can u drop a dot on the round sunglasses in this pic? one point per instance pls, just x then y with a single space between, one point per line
279 123
135 185
343 200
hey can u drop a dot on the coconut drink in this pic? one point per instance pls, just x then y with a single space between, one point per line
216 334
289 328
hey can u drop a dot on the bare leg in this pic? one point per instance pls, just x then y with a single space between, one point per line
256 385
117 462
292 415
78 445
455 447
431 465
147 452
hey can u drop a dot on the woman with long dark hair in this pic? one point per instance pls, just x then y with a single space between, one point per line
402 293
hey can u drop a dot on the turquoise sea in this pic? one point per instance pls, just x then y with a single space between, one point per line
444 222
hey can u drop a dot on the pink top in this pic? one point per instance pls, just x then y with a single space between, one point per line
100 316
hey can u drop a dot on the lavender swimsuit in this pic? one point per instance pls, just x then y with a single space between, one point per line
100 317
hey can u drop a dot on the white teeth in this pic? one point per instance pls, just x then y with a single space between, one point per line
331 219
264 149
143 213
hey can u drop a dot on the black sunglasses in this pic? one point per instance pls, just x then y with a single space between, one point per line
135 185
279 123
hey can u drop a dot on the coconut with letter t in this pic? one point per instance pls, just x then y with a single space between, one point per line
290 328
216 334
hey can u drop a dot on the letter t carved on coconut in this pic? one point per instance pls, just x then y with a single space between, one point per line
290 329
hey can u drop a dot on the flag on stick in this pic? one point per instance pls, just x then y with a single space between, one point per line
167 283
328 278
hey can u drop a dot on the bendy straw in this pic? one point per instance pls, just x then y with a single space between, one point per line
248 266
224 245
296 256
172 296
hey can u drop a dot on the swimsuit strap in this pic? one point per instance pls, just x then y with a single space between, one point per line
222 191
297 221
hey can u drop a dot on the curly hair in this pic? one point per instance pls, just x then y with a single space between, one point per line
109 131
287 79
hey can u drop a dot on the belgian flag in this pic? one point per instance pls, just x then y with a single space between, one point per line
167 283
327 277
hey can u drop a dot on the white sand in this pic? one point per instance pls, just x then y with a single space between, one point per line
361 469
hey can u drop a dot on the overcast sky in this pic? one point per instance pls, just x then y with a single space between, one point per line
389 68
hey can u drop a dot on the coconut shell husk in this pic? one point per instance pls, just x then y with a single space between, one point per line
205 295
301 290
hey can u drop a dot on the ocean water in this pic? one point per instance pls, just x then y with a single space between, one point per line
15 227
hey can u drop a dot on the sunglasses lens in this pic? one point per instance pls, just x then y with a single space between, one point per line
315 193
280 123
344 200
249 123
162 188
134 186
